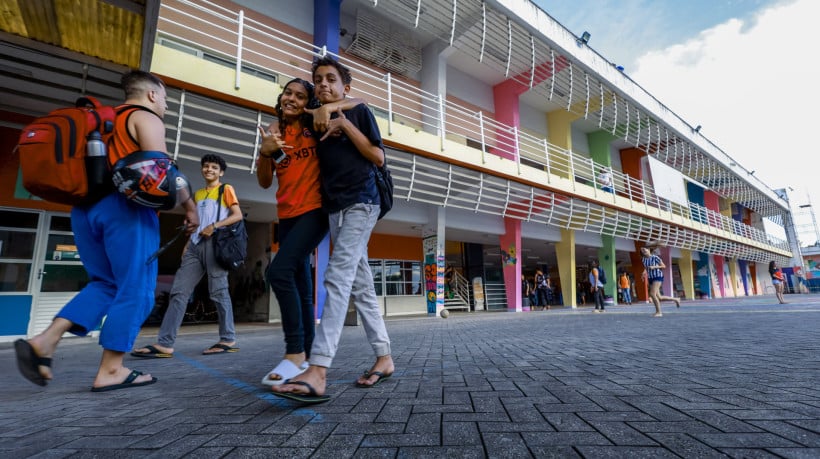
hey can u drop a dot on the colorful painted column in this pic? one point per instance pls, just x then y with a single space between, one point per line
711 201
704 278
506 99
510 262
715 273
433 237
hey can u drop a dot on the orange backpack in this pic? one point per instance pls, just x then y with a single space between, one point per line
53 156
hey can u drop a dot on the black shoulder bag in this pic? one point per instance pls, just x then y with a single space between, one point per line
384 182
230 242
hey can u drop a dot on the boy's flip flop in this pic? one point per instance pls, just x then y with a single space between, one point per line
380 377
310 398
224 349
153 353
129 382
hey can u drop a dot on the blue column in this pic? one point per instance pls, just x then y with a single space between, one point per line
695 194
743 271
703 275
326 20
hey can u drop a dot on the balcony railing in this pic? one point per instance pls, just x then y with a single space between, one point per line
235 37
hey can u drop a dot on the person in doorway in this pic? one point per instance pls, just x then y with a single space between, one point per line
288 151
526 289
347 153
198 260
654 267
581 290
449 281
542 289
778 281
596 288
115 237
623 285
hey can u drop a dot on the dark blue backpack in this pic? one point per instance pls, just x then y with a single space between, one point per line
601 275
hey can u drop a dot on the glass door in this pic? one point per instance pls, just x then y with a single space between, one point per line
18 244
59 273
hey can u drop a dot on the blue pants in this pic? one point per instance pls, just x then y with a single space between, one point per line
290 277
114 238
627 295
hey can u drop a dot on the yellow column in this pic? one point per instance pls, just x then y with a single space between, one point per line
565 252
687 273
732 277
559 123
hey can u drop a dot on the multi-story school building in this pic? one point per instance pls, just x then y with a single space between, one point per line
513 146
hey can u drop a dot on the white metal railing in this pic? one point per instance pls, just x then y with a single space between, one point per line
248 42
427 180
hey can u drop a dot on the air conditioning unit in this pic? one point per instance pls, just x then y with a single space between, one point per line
385 44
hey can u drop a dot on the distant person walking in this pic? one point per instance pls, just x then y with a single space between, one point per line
624 284
596 287
778 281
654 267
542 289
198 260
526 289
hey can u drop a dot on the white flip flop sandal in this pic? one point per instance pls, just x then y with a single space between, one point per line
286 370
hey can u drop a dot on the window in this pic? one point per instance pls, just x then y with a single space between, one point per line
192 50
396 277
18 235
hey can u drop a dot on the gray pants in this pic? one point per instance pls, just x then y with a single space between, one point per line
197 261
348 276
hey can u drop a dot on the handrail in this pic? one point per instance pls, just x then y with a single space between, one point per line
401 101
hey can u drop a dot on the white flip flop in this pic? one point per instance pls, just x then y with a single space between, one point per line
286 370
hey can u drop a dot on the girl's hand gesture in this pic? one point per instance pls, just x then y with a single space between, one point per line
271 139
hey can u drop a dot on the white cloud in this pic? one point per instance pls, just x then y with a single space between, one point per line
753 88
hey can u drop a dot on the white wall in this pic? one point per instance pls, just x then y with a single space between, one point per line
533 120
469 89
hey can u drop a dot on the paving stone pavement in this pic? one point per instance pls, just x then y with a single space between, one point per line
721 378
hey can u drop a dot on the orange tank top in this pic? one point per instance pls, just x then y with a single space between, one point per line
122 143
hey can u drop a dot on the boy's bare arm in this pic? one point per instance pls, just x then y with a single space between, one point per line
321 115
372 152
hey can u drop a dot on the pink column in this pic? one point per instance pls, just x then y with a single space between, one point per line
511 266
719 262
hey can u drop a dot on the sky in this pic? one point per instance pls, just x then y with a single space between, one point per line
742 69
